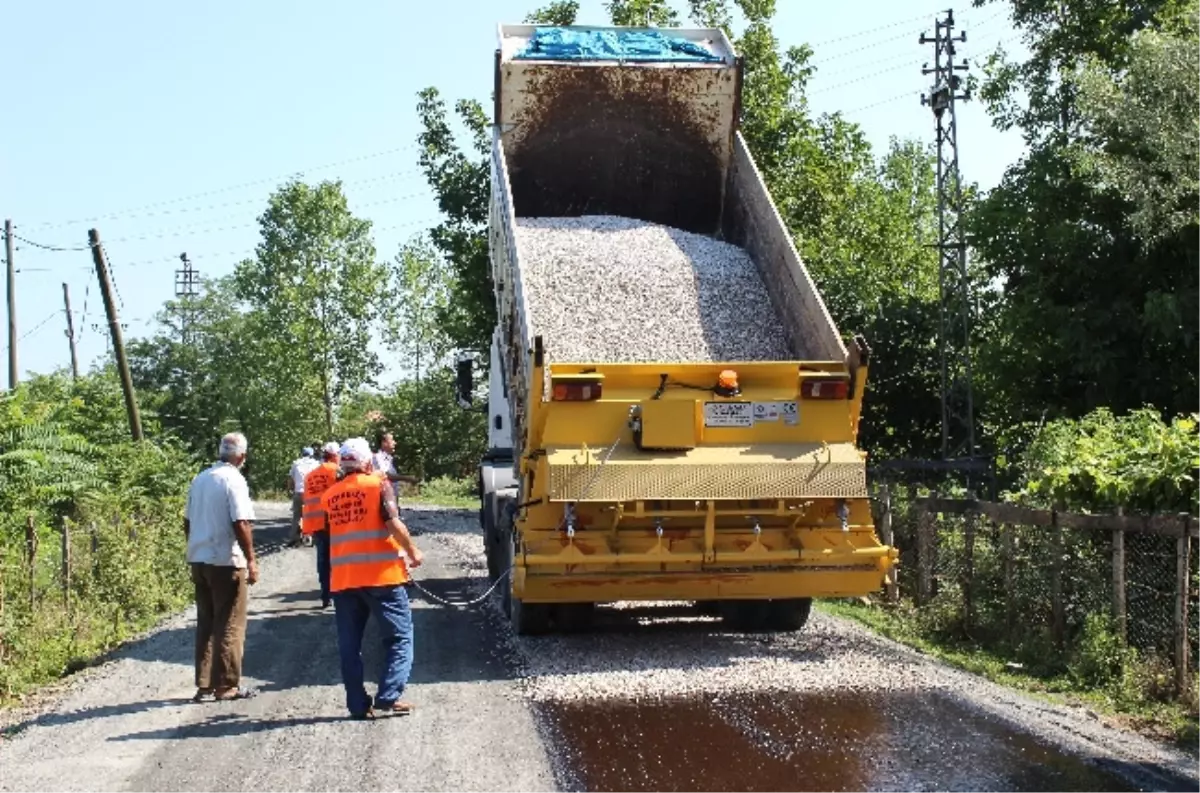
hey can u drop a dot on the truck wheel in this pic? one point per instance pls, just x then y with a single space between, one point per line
574 617
746 615
789 615
491 546
504 555
529 619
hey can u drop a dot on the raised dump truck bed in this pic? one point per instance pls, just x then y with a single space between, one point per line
671 478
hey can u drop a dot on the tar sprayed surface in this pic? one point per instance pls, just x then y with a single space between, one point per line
813 741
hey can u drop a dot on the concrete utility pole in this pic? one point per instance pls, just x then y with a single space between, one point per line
71 332
12 305
958 408
114 324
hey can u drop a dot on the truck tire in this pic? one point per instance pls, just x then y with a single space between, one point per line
789 615
529 619
746 615
491 545
504 555
574 617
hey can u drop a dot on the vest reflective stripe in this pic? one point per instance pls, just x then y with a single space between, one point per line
319 480
359 558
358 535
362 552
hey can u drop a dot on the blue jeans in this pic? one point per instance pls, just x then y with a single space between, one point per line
321 541
389 606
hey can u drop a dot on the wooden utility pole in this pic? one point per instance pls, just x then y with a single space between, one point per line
12 306
71 332
114 325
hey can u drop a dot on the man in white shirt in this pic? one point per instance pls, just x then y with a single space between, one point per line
301 467
220 550
384 463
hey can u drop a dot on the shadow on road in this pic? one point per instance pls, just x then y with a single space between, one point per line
225 725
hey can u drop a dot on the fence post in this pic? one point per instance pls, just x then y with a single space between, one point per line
1008 553
31 545
892 591
1058 626
968 571
1182 585
1120 612
65 539
925 530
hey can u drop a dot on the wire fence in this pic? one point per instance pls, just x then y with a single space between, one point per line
1029 582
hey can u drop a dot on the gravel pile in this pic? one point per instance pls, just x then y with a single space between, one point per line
615 290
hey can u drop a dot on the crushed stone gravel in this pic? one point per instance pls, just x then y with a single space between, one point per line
616 290
643 651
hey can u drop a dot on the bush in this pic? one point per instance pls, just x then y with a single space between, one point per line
66 461
1101 462
1100 658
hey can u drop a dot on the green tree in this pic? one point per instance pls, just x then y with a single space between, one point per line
461 179
640 13
315 288
1094 312
1141 127
421 296
559 13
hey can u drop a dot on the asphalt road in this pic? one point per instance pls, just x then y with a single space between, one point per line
131 724
652 699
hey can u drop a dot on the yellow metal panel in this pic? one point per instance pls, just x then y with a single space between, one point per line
734 585
761 471
668 424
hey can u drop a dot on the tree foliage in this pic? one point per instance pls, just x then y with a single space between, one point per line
559 13
1098 308
420 297
315 287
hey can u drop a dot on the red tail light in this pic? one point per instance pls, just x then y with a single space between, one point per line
824 389
572 390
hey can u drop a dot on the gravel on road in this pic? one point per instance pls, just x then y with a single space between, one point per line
616 290
639 654
130 724
646 700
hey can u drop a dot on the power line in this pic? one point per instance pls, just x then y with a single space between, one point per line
48 247
227 189
40 325
198 229
869 31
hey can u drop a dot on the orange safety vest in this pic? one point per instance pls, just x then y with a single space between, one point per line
320 479
362 552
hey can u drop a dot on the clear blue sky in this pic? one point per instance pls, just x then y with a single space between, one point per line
166 125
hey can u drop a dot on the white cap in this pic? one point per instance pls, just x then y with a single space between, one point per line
331 448
356 454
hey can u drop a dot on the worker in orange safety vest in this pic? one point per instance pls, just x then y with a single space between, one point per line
312 521
368 578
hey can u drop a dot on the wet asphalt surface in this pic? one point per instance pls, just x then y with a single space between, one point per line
810 742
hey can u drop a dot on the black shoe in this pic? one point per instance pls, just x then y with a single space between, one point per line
368 716
326 603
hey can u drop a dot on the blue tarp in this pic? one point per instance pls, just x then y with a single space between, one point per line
561 44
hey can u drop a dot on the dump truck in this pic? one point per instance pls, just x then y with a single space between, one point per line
733 485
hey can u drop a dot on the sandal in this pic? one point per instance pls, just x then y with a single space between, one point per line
368 716
203 694
238 693
400 708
